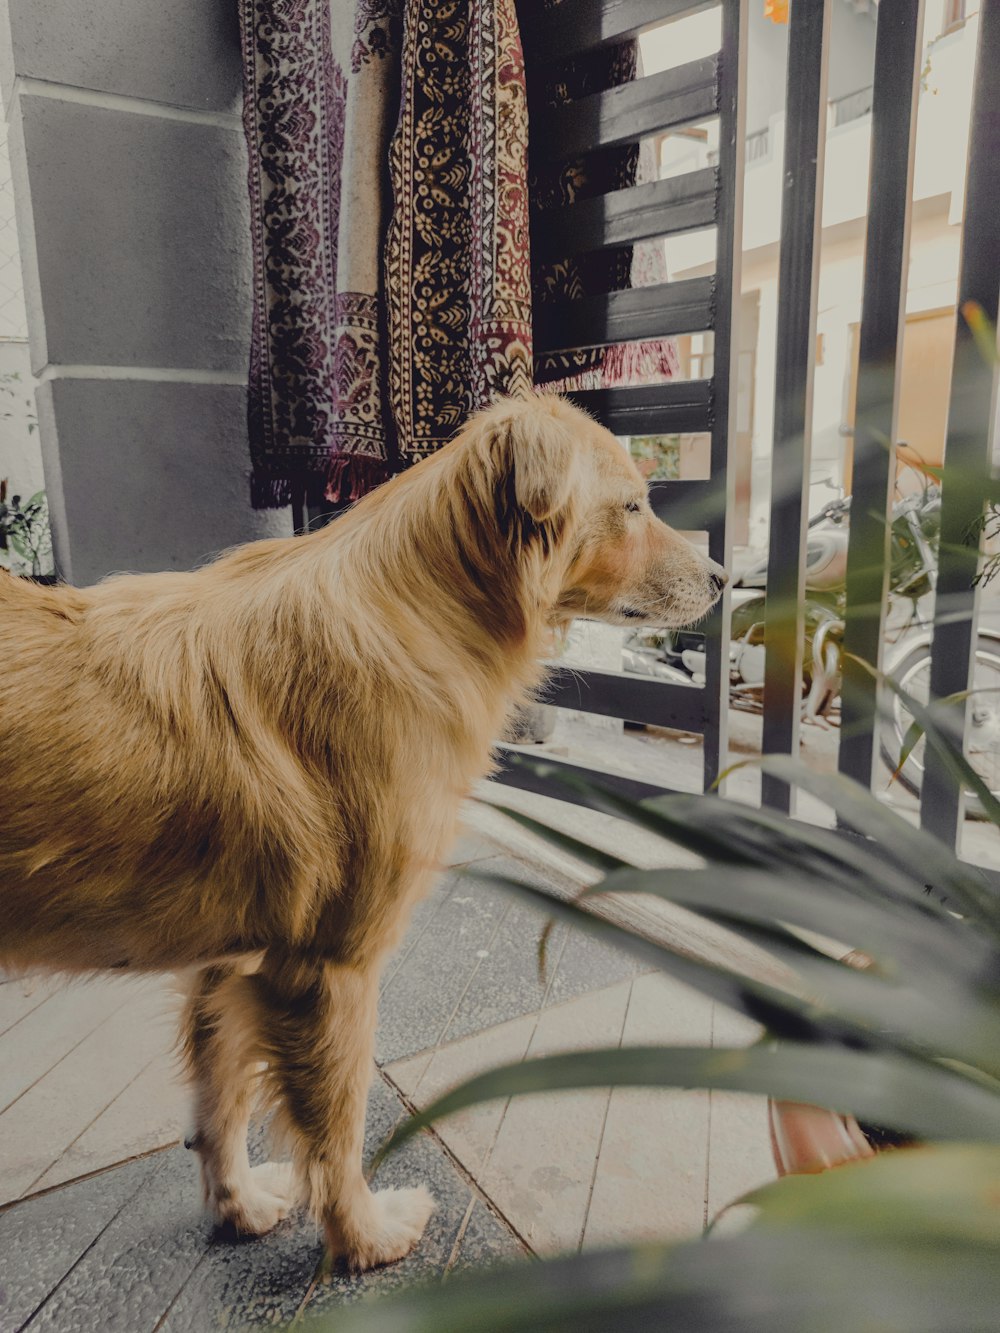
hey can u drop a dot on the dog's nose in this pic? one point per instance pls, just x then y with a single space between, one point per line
719 578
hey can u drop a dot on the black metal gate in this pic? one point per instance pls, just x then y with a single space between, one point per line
713 196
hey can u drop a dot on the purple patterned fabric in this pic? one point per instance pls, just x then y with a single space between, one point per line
388 179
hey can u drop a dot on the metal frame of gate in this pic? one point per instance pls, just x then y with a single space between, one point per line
704 198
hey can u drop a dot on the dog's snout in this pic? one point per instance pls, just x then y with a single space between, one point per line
718 577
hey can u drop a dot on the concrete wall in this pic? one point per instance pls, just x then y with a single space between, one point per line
129 175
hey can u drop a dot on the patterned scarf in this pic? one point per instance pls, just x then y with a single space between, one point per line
388 182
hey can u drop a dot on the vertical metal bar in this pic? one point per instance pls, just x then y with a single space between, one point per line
798 283
970 425
298 510
897 82
729 246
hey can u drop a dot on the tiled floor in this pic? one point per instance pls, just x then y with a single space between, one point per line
86 1079
102 1225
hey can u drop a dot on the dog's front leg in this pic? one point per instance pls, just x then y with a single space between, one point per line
220 1049
318 1024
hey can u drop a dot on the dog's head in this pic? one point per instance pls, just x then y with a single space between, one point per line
561 489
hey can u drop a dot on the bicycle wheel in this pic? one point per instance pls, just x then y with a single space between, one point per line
913 674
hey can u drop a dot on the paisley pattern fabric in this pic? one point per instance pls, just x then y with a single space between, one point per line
458 279
389 197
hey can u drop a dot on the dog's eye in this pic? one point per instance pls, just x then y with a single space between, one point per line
633 506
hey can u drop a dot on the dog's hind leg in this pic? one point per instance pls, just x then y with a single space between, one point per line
218 1042
318 1025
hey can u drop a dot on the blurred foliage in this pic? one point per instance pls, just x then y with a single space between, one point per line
909 1241
25 532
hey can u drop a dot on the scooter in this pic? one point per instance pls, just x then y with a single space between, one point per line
679 655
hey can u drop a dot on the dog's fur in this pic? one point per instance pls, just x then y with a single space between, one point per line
252 771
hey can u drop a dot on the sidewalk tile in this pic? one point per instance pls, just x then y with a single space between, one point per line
420 999
541 1168
149 1113
36 1130
43 1037
469 1134
651 1176
19 996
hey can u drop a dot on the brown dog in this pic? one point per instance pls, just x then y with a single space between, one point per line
252 771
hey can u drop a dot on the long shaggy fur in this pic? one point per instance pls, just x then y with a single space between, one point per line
249 773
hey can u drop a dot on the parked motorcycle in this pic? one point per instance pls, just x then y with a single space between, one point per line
679 655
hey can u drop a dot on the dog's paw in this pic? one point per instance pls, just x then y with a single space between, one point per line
396 1222
258 1206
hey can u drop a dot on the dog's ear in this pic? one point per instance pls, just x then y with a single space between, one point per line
536 457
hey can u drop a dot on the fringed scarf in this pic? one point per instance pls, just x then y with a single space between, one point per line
388 176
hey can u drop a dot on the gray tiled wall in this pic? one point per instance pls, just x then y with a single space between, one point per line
130 179
182 52
170 492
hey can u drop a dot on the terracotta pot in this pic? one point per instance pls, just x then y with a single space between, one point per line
808 1139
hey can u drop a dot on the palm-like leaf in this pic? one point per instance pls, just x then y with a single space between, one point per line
907 1243
912 1043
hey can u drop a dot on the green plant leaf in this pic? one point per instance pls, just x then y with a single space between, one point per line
946 1190
818 1282
643 814
816 999
583 851
925 858
782 1012
906 1243
926 1100
925 1015
982 330
897 938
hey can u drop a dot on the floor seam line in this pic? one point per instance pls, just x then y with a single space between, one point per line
472 976
415 941
28 1012
552 1009
83 1254
487 1156
604 1125
477 1189
137 1075
64 1056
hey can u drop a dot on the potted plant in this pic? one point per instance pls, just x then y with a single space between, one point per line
910 1041
25 536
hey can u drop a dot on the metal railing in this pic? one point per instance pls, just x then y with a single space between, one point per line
713 196
853 106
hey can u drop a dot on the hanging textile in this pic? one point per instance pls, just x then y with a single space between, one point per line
388 179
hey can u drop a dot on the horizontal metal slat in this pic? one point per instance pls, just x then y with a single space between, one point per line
623 114
659 208
577 25
677 407
641 312
516 770
691 505
513 773
634 698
